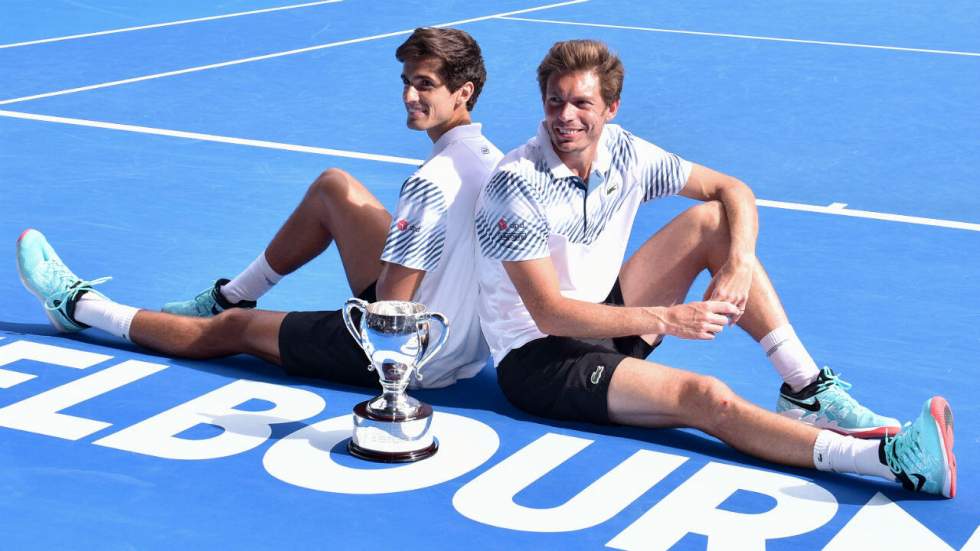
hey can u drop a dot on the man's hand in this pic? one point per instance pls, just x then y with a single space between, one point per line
698 320
731 284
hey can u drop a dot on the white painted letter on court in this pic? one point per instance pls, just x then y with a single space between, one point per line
801 507
243 430
489 498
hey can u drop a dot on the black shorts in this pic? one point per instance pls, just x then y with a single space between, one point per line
566 377
318 345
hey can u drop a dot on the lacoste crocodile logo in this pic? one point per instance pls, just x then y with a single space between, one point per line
597 374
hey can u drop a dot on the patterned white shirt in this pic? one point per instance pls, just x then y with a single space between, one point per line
535 207
432 230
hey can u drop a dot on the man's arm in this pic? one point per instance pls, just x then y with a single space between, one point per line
398 282
415 240
537 283
732 281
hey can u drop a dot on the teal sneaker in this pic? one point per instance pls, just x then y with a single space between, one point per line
826 404
44 274
921 456
207 303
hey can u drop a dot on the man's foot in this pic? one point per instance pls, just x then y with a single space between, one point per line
921 456
44 274
209 302
826 404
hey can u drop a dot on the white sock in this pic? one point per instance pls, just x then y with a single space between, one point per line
846 454
789 357
102 313
252 283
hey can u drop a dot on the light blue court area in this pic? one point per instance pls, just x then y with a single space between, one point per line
169 155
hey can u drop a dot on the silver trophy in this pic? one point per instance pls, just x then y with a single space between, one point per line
394 427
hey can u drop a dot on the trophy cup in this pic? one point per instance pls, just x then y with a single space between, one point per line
394 427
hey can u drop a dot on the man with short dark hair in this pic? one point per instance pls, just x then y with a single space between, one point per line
425 252
569 323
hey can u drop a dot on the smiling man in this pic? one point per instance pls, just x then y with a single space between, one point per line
570 323
425 252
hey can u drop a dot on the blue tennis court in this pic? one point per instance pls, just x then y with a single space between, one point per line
163 144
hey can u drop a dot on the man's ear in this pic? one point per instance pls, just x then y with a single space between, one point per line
465 93
612 110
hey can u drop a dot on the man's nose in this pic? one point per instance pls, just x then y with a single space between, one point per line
410 94
567 111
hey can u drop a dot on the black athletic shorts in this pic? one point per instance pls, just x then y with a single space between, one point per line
566 377
318 345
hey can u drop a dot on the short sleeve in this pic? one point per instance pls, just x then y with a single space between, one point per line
509 222
659 173
417 235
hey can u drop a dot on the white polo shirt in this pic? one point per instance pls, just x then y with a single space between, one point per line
432 230
535 207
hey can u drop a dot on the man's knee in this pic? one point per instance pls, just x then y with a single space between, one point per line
708 400
331 183
710 216
223 332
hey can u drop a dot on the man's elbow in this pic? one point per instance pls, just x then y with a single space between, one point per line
741 187
547 319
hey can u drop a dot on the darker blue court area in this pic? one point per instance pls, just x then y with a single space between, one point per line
97 435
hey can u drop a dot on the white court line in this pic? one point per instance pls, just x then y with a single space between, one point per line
742 36
834 208
168 24
212 138
279 54
840 211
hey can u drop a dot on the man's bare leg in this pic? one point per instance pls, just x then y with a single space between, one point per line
648 394
337 208
236 331
661 272
651 395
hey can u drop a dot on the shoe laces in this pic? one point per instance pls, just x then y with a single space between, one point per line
836 388
204 301
905 454
832 379
70 285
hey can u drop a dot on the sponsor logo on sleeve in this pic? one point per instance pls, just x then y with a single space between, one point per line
405 225
513 232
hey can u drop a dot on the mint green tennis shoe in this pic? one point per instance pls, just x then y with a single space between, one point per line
44 274
207 303
921 456
826 404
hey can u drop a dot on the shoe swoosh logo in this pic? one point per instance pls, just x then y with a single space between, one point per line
815 406
920 481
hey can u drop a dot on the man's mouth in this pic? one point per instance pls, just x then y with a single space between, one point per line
415 110
566 132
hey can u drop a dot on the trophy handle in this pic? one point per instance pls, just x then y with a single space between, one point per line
356 304
433 349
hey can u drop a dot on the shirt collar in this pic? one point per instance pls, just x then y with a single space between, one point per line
461 132
600 165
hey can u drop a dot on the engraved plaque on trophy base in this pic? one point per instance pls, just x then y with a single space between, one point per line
390 440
